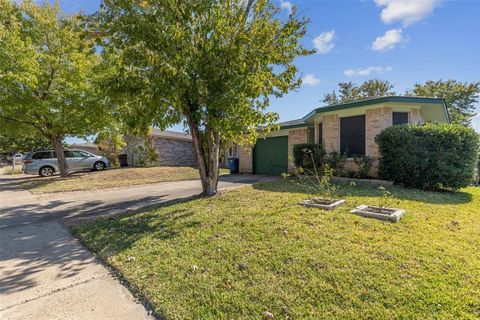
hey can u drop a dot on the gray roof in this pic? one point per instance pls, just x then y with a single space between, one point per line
171 134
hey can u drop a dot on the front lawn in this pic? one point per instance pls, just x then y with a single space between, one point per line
254 250
112 178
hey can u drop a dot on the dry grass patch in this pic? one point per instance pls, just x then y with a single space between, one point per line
112 178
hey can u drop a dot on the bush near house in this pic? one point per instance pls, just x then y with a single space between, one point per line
429 157
303 158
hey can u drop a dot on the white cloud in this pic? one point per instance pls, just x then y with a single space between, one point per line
406 11
364 72
287 5
324 42
388 41
310 80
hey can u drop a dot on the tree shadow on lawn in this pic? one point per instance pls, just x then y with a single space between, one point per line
121 233
365 190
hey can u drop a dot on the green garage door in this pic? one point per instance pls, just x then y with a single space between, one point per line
270 156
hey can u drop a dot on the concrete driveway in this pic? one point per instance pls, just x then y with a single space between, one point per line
45 273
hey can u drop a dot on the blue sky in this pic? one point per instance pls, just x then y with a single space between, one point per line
403 41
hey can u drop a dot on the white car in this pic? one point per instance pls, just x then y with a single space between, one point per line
45 164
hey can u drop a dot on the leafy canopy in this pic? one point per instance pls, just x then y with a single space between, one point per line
460 97
349 91
216 62
47 71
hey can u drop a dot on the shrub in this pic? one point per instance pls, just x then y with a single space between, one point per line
308 156
336 161
364 164
430 157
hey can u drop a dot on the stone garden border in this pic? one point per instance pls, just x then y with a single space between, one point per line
394 216
311 204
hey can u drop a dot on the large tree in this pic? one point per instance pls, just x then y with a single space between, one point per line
211 64
460 97
47 69
349 91
19 138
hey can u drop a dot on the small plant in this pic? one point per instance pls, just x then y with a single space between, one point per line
318 182
336 161
385 199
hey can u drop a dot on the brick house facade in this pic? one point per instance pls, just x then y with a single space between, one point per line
362 121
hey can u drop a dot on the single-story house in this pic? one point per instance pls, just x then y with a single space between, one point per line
172 148
348 128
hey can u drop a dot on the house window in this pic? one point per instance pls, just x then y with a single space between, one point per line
352 135
400 118
320 133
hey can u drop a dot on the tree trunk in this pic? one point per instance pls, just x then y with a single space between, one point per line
207 155
62 162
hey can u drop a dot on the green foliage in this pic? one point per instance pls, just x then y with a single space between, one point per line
461 97
212 65
349 91
317 179
19 138
337 161
48 73
110 144
364 164
385 199
306 155
145 154
429 157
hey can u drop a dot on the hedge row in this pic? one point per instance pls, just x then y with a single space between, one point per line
429 157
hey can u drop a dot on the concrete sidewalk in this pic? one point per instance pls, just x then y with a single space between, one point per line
45 273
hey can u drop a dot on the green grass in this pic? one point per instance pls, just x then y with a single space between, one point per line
122 177
251 250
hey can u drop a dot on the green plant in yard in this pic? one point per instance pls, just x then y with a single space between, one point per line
337 161
385 199
211 65
430 157
315 156
318 180
364 164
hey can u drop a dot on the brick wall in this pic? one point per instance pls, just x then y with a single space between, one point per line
375 121
331 132
245 159
170 152
295 136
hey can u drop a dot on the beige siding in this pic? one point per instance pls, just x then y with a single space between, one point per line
416 116
245 159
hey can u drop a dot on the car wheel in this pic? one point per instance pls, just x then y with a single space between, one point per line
99 166
46 171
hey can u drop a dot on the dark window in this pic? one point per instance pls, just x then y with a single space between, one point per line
68 154
320 133
352 135
42 155
400 118
80 154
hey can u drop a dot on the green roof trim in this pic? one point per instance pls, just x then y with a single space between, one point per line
370 101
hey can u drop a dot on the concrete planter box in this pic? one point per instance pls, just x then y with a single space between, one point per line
325 204
388 214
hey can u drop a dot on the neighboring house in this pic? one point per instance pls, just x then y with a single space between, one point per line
89 147
348 128
172 148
